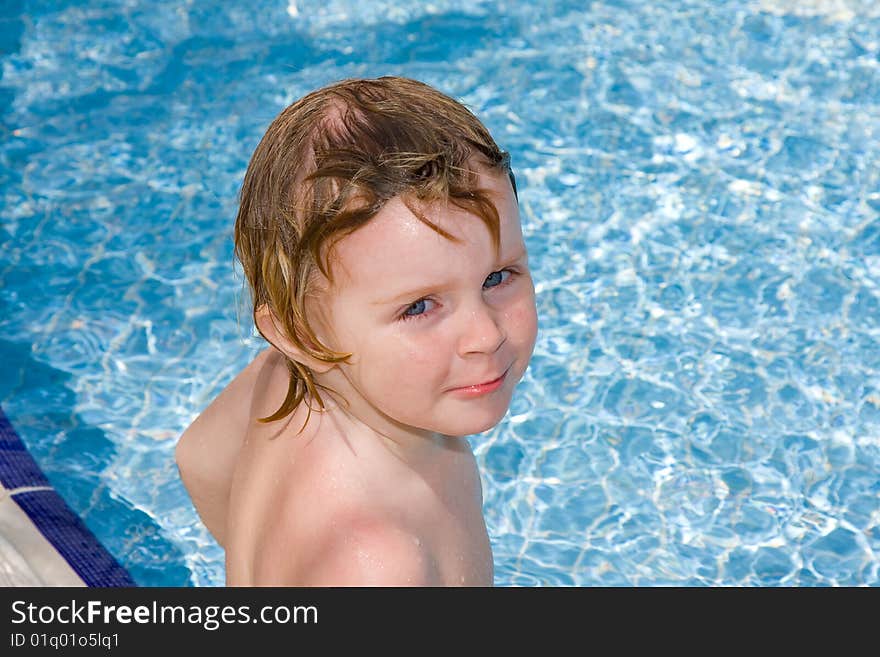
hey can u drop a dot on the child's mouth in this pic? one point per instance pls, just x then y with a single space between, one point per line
481 388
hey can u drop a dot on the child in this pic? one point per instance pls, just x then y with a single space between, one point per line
380 235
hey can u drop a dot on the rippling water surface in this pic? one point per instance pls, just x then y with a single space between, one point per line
700 192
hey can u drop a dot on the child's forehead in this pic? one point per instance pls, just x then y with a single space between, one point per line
400 243
397 237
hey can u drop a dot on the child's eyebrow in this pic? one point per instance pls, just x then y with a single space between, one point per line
425 290
410 295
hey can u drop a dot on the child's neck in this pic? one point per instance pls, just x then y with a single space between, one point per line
360 421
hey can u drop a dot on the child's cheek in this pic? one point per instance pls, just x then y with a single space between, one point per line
414 355
523 318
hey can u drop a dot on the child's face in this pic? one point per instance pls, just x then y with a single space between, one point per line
440 331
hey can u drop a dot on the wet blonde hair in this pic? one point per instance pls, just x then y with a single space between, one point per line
326 165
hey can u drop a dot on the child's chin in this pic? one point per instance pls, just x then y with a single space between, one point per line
469 426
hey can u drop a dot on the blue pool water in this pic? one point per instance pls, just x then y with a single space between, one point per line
701 199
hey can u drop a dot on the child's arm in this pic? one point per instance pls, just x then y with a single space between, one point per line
207 451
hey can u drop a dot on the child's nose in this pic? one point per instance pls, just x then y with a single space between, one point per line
482 331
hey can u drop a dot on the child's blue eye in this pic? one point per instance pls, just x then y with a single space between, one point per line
497 278
423 307
416 309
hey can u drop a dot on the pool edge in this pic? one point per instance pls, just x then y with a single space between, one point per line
43 542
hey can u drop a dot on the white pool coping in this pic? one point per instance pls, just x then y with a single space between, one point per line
26 557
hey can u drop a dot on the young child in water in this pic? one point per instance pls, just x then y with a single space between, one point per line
380 234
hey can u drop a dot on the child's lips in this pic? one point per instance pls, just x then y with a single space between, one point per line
478 389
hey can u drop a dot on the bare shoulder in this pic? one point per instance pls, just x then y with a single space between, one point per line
361 552
223 424
207 451
333 525
333 507
232 407
373 554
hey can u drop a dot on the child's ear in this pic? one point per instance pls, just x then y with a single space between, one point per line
270 328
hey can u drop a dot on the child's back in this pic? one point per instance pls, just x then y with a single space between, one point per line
331 507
